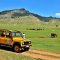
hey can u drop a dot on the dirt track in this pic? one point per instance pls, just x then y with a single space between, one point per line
43 52
43 55
39 54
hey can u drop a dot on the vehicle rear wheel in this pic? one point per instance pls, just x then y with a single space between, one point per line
16 48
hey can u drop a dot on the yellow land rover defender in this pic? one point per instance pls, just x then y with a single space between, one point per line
14 39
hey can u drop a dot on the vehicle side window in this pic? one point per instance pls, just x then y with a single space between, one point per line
9 34
16 34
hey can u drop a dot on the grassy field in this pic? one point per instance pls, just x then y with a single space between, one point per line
41 39
7 55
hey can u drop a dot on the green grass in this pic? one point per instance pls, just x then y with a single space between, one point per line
13 56
41 39
46 44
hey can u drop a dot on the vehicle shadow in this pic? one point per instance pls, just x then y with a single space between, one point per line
9 49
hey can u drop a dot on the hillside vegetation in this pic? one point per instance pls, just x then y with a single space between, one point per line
18 13
23 18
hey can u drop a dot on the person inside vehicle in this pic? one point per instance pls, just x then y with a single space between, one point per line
23 35
10 35
3 34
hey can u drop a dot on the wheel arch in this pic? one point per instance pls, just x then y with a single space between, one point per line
16 43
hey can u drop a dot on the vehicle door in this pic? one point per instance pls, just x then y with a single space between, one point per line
8 39
2 38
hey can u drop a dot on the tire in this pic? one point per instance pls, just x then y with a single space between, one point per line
16 48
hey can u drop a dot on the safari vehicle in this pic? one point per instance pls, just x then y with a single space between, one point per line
14 40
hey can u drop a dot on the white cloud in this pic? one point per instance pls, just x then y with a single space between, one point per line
58 14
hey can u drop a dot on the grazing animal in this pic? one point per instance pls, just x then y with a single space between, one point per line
53 35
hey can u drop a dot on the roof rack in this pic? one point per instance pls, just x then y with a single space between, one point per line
8 30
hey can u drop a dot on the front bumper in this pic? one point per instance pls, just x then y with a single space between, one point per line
25 47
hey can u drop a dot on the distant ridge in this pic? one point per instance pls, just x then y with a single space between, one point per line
16 13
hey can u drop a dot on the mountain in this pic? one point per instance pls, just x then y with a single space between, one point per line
18 13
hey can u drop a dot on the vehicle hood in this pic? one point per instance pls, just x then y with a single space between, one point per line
19 39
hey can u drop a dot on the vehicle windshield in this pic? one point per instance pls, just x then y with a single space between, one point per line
16 34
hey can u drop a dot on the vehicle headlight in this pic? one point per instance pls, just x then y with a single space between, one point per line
30 42
23 43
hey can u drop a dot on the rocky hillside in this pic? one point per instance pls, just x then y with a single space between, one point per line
18 13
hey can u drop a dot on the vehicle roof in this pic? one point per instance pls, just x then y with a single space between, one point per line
5 30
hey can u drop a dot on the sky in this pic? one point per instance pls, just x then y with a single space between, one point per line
41 7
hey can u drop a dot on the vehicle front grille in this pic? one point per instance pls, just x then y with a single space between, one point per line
26 43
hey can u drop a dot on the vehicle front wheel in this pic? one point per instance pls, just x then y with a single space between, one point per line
26 49
16 48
